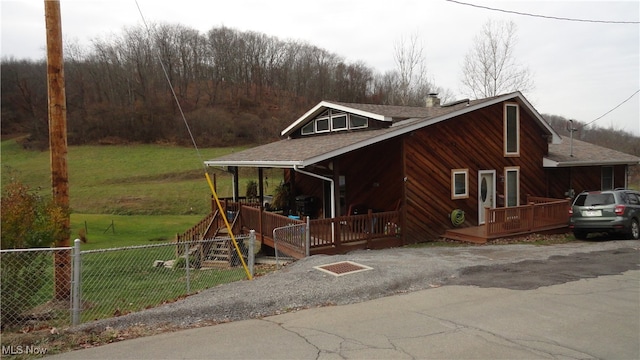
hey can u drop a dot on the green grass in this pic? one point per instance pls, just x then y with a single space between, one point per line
124 196
162 185
119 282
109 231
124 180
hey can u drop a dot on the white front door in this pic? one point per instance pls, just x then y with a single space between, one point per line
486 192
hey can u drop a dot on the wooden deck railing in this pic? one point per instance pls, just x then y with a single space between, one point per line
354 229
541 214
264 222
199 230
331 236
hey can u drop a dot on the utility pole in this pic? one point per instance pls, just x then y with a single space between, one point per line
58 142
571 131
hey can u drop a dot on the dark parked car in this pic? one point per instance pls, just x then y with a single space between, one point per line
613 211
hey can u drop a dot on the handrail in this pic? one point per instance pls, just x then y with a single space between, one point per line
354 228
536 216
363 228
199 230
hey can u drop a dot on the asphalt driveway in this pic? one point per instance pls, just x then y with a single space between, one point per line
579 299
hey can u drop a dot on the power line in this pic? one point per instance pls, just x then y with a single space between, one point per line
545 16
605 114
173 92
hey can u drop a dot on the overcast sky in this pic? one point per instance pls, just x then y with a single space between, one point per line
581 69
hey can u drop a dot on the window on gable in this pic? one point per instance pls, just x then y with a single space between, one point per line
511 130
322 125
308 129
459 183
339 122
358 122
331 120
512 186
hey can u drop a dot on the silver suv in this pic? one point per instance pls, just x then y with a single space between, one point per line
612 211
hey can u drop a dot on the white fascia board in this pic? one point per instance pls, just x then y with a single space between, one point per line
547 163
255 164
356 111
328 105
555 137
302 118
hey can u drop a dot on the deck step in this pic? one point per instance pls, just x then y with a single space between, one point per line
220 251
466 234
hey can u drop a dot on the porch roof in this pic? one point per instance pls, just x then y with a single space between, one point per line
585 154
309 150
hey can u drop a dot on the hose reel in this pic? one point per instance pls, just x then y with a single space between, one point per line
457 217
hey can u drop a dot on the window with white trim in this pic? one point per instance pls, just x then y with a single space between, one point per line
331 120
512 186
459 183
339 122
308 129
511 130
357 122
322 125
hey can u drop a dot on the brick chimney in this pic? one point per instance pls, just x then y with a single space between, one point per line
433 100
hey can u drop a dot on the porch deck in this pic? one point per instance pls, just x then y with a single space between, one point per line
342 234
477 234
540 215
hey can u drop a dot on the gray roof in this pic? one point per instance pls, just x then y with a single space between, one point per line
585 154
309 150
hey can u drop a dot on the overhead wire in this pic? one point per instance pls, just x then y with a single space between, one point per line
605 114
173 92
562 19
195 145
544 16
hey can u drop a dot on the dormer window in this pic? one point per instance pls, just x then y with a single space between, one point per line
339 122
358 122
322 125
331 120
308 129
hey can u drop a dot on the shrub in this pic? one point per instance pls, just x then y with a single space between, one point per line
252 189
27 221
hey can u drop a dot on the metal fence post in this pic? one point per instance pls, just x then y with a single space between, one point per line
75 282
187 266
275 248
251 255
307 234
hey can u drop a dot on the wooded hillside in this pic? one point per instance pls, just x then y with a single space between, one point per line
234 88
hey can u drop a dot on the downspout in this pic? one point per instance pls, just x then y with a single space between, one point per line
333 193
234 179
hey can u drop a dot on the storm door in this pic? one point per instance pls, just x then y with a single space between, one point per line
486 192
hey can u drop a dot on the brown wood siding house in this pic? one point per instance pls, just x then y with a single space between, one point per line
428 161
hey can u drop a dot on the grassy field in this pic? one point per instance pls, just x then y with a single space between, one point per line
150 192
123 196
109 231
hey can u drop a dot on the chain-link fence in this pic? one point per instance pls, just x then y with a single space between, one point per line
117 281
27 287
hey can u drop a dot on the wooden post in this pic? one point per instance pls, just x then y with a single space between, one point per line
261 186
58 142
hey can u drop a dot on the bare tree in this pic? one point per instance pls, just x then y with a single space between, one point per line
411 68
490 67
